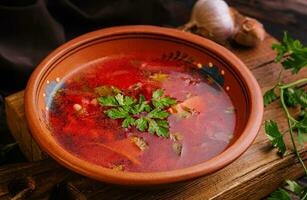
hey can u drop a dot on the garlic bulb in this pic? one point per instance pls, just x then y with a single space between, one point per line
212 19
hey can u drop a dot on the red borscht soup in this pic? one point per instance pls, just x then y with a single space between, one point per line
141 115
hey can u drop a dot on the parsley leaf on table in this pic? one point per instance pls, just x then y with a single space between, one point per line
296 52
291 186
274 135
301 127
294 187
269 97
296 96
279 194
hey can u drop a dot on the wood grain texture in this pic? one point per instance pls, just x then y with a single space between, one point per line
18 127
254 175
43 176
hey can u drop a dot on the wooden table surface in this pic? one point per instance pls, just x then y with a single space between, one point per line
254 175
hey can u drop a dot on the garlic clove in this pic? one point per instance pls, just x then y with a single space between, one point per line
250 33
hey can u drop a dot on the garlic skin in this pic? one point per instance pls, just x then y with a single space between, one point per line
212 19
250 33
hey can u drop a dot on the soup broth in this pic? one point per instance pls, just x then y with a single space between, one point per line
201 123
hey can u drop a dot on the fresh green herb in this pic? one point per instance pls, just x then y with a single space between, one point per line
139 113
143 105
120 99
108 101
269 97
128 122
162 123
158 127
279 194
293 56
296 54
117 113
291 186
295 187
128 101
161 102
275 136
158 114
141 124
106 90
295 96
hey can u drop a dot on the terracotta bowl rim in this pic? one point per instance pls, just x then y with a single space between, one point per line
150 178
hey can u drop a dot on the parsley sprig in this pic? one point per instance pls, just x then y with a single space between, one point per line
296 54
293 56
142 114
292 186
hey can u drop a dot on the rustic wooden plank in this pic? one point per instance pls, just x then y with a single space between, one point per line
254 175
15 112
42 176
18 127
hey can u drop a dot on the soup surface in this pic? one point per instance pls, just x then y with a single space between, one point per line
198 126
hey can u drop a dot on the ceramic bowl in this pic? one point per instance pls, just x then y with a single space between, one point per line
160 43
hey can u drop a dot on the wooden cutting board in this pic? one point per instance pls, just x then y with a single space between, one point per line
254 175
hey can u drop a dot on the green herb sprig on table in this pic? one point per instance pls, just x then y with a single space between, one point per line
140 113
293 56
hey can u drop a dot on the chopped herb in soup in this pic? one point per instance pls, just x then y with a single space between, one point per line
141 115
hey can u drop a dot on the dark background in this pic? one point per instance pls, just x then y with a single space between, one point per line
30 29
